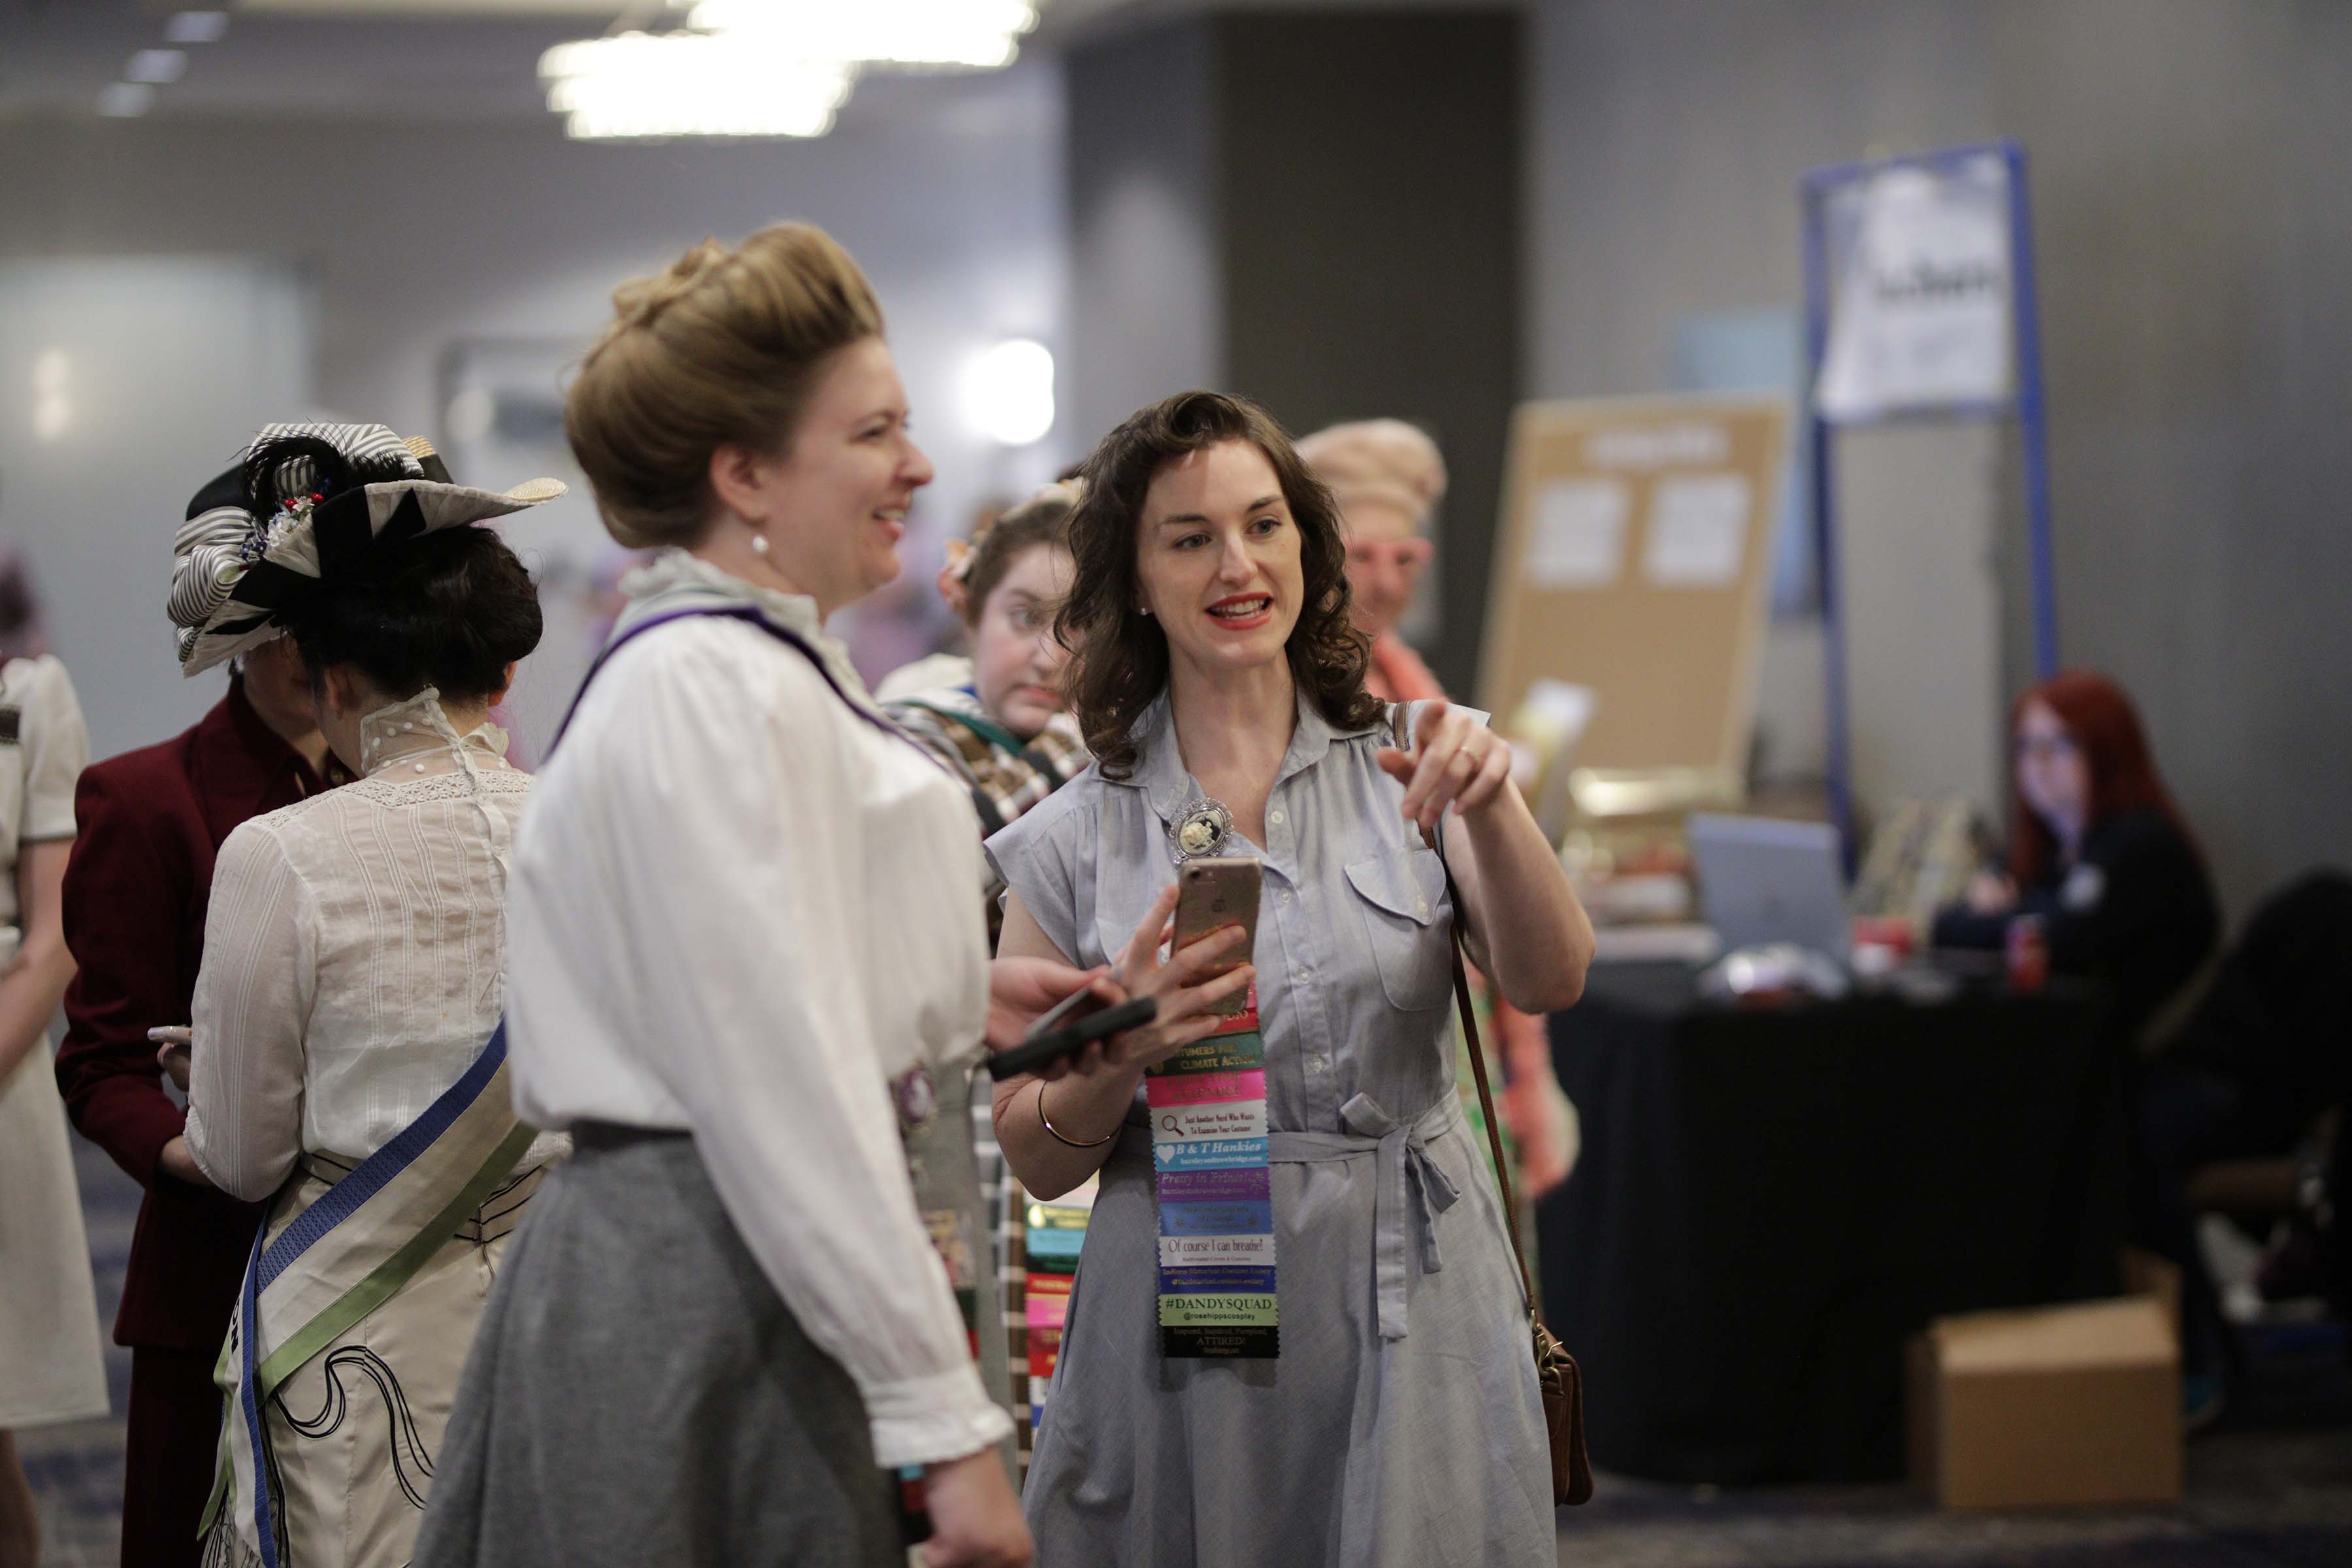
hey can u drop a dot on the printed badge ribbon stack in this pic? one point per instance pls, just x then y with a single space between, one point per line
1216 1196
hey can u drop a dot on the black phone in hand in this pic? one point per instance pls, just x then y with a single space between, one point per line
1077 1021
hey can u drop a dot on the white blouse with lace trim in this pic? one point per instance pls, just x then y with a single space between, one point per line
356 953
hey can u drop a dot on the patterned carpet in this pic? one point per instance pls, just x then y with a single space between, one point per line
2272 1488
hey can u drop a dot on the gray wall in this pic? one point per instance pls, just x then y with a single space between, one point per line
1370 193
2193 187
2193 228
1319 211
1147 296
158 368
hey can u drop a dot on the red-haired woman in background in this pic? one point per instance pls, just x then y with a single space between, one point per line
2097 851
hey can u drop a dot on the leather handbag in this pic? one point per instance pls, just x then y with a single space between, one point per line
1561 1380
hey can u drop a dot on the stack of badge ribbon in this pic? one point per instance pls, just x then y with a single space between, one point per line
1216 1196
1052 1235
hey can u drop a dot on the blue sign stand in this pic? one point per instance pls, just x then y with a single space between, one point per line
2025 403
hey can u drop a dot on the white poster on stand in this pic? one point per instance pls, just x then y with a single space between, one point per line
1579 533
1921 291
1698 523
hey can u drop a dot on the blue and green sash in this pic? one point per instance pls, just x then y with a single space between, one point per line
345 1256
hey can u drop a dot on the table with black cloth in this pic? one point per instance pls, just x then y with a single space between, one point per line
1771 1200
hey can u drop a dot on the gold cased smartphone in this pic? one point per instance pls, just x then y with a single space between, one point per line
1214 894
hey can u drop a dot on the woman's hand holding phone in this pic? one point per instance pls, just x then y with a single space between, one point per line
1185 984
1022 990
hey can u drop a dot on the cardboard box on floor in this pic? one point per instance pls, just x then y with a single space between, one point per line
2146 1274
2048 1407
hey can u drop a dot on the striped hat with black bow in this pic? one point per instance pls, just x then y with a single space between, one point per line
306 504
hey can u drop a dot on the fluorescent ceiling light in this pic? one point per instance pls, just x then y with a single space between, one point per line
125 99
686 84
157 65
196 28
974 34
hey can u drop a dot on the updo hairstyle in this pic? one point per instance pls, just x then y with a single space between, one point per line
1384 462
1044 520
451 609
719 350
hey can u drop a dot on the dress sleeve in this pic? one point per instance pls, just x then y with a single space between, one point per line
253 999
126 883
1032 856
733 832
56 748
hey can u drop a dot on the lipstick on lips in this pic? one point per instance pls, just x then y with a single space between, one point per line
1243 612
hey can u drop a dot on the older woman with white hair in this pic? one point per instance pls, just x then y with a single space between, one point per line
1387 477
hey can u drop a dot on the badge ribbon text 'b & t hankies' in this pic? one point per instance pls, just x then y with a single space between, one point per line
1216 1197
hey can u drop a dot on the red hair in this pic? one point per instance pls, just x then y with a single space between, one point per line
2106 727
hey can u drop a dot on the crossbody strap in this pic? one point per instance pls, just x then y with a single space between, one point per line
1470 1033
750 615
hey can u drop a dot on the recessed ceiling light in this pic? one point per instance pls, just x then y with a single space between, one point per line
157 66
126 100
196 28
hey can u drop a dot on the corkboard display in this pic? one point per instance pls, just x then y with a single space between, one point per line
1634 559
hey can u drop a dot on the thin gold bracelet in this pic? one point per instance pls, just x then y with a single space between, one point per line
1072 1143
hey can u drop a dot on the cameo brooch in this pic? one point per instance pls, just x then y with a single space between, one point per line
1202 829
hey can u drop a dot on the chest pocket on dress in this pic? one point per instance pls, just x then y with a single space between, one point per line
1401 897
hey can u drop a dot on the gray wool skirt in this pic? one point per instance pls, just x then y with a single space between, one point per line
639 1394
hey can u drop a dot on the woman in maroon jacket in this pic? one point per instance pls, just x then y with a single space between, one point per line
148 822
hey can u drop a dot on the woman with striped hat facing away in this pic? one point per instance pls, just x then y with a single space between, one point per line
346 1062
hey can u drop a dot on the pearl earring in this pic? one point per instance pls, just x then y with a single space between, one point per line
759 543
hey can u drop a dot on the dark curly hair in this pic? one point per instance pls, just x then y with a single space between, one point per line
1119 657
450 609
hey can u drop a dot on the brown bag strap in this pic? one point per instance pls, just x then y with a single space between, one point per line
1470 1033
1487 1095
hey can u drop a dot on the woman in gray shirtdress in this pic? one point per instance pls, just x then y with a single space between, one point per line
1401 1423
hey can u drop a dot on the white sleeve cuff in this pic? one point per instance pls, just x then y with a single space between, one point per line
191 1133
928 1420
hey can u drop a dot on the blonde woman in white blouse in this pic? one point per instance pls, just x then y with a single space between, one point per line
354 967
744 940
